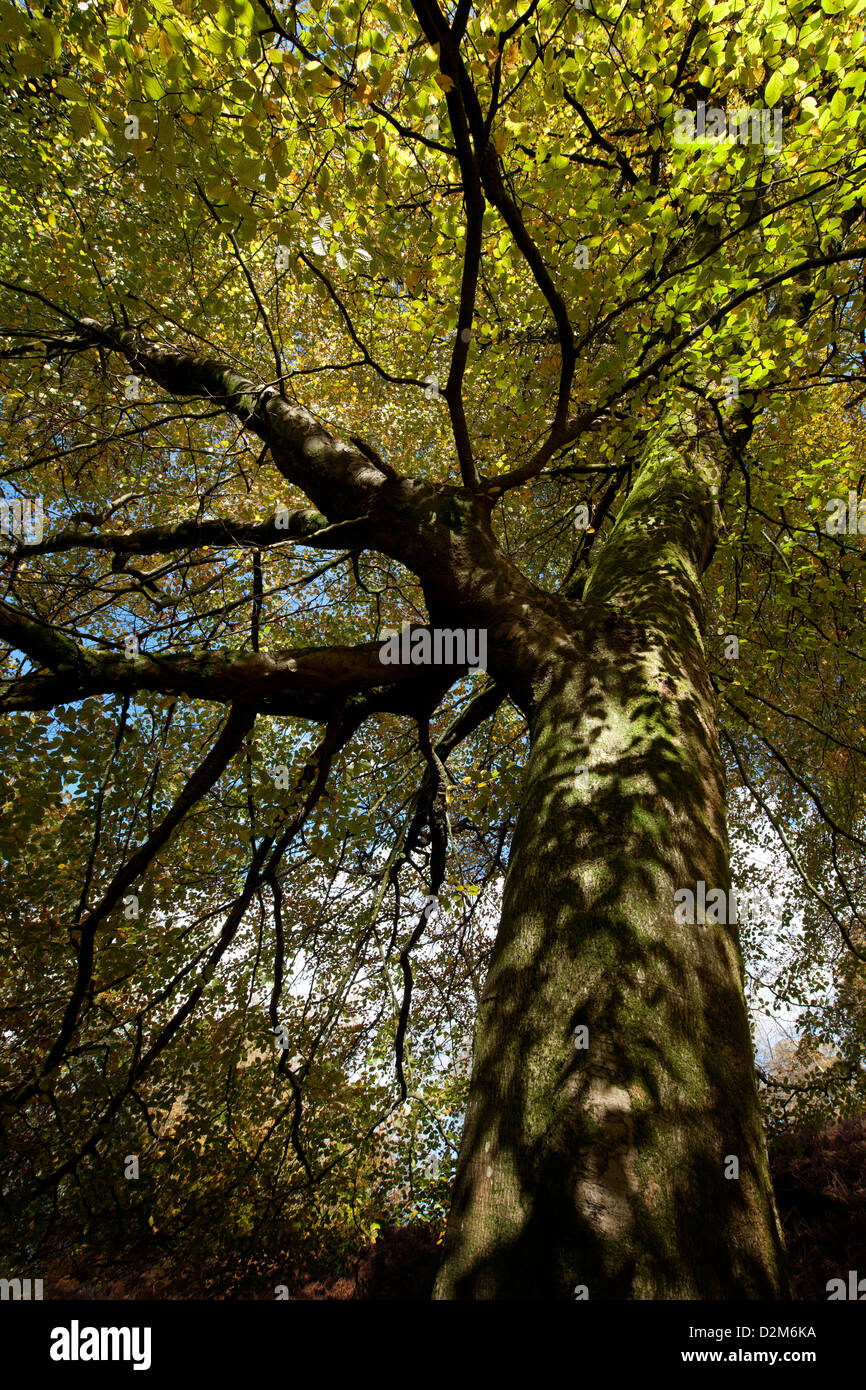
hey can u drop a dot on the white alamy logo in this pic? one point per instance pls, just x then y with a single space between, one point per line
439 646
22 517
75 1343
704 905
842 519
712 124
21 1289
856 1288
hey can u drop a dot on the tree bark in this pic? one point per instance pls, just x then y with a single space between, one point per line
605 1170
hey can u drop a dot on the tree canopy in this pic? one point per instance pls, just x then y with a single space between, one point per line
296 300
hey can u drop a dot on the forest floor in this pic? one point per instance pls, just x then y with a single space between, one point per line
820 1183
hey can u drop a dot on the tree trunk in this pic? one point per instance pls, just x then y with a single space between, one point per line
613 1081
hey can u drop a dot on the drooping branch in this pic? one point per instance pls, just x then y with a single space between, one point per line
238 724
262 869
438 819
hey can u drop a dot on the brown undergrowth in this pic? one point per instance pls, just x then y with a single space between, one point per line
820 1184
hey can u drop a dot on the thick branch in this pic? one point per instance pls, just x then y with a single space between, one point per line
309 682
338 477
303 524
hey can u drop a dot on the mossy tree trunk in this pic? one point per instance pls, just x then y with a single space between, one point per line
613 1079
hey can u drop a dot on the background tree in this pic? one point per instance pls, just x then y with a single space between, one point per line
444 296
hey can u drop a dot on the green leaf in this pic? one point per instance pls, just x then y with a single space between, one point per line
79 119
49 37
839 104
65 87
